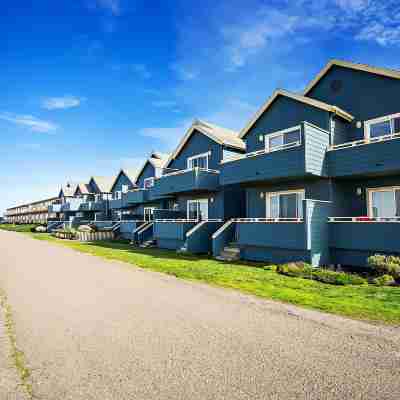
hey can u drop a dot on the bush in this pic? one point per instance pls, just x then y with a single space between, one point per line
384 280
386 265
306 271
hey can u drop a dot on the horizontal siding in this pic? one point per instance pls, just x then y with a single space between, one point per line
370 159
172 230
317 142
274 255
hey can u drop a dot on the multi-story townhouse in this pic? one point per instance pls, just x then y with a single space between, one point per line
321 171
31 213
197 205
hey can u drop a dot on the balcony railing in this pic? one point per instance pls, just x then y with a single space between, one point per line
187 180
365 157
294 160
137 196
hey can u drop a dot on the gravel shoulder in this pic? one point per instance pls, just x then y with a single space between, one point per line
92 329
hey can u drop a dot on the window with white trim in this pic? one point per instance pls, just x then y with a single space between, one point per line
384 202
125 188
117 195
198 161
287 204
197 209
148 183
149 213
382 126
283 139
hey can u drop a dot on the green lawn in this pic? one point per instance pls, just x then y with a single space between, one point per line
17 228
367 302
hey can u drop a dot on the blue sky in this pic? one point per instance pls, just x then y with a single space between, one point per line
90 86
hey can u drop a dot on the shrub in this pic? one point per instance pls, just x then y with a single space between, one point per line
306 271
386 265
384 280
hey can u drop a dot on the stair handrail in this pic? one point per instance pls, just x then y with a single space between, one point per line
145 228
223 227
200 224
136 230
116 226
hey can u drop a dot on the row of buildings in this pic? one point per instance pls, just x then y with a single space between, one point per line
312 176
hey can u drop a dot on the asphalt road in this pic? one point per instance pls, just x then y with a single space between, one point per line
93 329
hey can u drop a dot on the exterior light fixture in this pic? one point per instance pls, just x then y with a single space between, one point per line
261 138
261 195
359 191
358 124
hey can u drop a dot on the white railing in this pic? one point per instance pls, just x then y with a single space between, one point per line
364 141
184 171
144 228
268 220
139 228
364 219
200 224
177 220
263 151
223 227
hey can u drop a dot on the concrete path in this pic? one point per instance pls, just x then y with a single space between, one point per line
93 329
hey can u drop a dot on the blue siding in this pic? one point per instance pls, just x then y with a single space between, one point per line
122 180
223 239
198 144
274 255
148 172
171 235
362 94
200 240
285 113
370 159
316 145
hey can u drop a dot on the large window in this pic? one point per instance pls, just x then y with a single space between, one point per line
283 139
198 161
384 202
148 183
197 209
285 204
383 126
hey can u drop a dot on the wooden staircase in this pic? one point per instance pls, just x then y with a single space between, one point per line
230 253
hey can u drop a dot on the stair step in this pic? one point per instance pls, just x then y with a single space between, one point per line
231 250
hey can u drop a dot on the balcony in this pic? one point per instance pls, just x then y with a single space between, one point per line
281 240
72 205
290 161
171 233
54 208
117 204
92 206
190 180
352 240
377 156
137 196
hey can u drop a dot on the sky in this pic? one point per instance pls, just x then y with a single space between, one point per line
92 86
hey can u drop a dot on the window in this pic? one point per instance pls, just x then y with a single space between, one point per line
148 183
384 202
282 139
383 126
197 209
285 204
198 161
149 213
117 195
125 188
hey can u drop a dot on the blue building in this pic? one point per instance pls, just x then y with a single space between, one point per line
321 171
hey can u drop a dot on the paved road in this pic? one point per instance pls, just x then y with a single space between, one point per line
93 329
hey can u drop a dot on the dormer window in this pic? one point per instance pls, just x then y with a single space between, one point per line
198 161
148 183
125 188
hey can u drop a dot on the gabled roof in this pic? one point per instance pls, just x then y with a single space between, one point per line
216 133
68 189
391 73
104 183
156 159
297 97
130 173
84 188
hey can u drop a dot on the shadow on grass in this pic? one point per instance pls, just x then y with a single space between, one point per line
170 254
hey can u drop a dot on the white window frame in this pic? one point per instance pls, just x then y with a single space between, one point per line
117 195
151 179
368 123
197 156
268 196
205 200
124 188
370 191
151 209
273 135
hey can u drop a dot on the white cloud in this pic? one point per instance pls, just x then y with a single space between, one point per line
142 70
60 103
35 124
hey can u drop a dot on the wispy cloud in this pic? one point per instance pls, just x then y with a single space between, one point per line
61 103
142 70
33 123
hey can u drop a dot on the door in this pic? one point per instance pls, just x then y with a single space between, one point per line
149 213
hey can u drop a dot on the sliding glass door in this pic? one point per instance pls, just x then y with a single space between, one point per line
197 209
384 202
285 204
